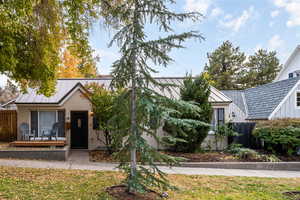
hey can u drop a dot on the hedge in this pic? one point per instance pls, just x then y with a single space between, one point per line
279 136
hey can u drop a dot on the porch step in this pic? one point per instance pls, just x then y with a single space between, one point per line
59 143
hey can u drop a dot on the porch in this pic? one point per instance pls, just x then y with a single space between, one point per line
38 143
39 150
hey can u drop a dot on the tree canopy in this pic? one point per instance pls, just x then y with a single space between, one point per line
33 34
261 68
224 64
228 68
72 67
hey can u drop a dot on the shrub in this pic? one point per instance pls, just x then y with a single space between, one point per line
279 136
189 139
223 131
250 154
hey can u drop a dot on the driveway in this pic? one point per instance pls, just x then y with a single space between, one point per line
79 160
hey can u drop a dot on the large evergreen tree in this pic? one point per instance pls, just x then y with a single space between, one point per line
228 69
142 110
223 66
261 68
193 90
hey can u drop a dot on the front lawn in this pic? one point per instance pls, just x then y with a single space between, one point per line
21 183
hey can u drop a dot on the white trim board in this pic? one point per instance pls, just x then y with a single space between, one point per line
77 88
294 53
283 100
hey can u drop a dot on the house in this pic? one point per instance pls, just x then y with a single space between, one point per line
291 68
71 106
280 99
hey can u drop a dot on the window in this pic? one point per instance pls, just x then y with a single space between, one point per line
218 117
298 99
43 121
46 120
291 75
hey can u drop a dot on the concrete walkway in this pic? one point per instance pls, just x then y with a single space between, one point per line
79 160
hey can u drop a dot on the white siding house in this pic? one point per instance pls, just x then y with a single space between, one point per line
275 100
291 68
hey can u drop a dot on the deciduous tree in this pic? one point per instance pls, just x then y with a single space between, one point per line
32 34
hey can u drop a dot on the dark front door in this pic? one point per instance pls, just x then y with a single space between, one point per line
79 129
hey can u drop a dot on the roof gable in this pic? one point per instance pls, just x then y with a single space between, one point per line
63 92
262 100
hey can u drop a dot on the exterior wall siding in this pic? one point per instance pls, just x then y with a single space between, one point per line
292 66
288 109
240 116
77 102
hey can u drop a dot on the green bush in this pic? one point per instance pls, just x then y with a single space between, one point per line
250 154
223 131
279 136
189 138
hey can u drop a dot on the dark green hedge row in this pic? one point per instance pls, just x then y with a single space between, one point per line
279 136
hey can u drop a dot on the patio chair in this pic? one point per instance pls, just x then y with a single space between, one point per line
25 132
55 129
46 133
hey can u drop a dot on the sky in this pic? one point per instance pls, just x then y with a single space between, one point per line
249 24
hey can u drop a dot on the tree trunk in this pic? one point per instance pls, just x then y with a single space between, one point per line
133 131
133 163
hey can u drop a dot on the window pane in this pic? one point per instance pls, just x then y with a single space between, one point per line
34 122
221 117
213 119
61 120
46 121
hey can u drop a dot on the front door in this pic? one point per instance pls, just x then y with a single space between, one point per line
79 129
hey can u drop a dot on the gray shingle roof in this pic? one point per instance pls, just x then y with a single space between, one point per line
261 101
64 86
237 97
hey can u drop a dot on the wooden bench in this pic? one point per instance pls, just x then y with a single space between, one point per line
59 143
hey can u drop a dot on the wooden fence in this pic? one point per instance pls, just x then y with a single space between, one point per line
8 125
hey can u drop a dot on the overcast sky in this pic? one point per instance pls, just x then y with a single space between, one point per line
249 24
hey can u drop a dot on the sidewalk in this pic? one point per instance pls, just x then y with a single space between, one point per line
86 165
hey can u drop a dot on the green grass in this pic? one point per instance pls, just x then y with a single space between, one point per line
21 183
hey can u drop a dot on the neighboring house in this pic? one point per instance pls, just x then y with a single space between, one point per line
291 68
275 100
71 105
